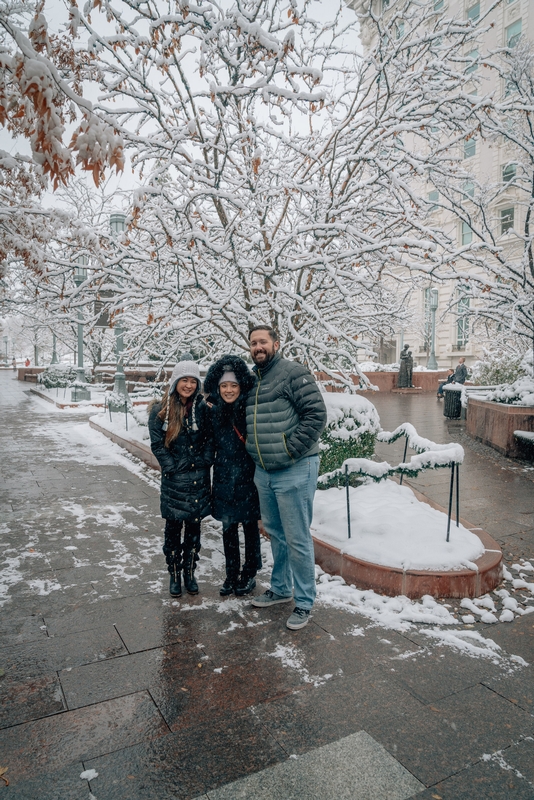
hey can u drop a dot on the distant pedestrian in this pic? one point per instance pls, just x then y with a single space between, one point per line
460 376
14 363
450 379
234 494
285 417
27 362
180 439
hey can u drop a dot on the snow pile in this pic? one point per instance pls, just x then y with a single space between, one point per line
429 455
137 425
391 527
349 416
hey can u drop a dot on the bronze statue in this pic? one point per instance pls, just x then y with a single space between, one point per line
404 379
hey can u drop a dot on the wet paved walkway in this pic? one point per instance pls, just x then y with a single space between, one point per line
103 675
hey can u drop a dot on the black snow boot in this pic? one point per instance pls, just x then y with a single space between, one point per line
231 556
175 586
191 586
245 584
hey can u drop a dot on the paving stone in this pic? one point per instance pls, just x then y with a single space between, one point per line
15 630
116 677
187 763
431 676
353 768
22 701
485 780
33 659
44 745
58 784
319 715
521 758
461 728
517 687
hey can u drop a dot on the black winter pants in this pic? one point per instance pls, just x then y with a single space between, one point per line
178 552
252 550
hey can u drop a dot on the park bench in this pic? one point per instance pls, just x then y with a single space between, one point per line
30 376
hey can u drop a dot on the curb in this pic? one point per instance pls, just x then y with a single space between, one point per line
414 584
77 405
138 449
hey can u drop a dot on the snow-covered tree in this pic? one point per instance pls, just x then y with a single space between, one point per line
280 169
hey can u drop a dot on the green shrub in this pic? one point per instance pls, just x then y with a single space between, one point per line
351 430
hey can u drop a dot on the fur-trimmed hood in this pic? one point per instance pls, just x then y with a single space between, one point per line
228 363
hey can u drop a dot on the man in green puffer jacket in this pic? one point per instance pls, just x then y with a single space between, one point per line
286 415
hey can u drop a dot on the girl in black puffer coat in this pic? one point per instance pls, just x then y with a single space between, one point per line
180 438
234 495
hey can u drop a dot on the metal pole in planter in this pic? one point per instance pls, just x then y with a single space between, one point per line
450 501
348 497
404 459
126 413
457 495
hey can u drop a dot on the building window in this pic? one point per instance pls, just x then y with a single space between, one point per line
470 148
469 188
513 32
473 13
433 198
438 5
462 322
507 219
508 173
472 56
385 5
399 30
467 233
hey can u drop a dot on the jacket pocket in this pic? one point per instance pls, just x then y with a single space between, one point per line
284 439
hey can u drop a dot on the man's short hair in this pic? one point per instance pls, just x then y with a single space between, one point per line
271 331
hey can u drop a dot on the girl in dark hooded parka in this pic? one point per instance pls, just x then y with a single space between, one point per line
180 438
234 495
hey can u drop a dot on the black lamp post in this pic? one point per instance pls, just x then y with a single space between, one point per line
80 392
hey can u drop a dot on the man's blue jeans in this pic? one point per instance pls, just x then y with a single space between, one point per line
286 503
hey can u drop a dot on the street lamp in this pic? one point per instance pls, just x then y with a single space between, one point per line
55 359
432 363
80 392
117 223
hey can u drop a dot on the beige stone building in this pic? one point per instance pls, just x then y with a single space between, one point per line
488 163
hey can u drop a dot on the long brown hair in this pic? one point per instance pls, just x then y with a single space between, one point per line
177 414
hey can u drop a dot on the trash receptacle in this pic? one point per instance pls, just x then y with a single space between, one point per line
452 407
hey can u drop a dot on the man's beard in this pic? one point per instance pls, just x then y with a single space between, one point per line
267 360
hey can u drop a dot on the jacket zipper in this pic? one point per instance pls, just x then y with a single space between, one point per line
285 447
255 414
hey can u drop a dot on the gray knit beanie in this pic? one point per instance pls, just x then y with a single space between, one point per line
185 368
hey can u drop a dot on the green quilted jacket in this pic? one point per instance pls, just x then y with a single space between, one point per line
286 415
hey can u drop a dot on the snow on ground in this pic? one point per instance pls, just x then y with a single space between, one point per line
391 527
117 421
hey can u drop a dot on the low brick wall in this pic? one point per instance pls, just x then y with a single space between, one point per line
494 424
387 381
29 373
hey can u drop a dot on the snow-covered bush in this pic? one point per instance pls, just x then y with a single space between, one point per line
497 366
351 430
60 375
521 391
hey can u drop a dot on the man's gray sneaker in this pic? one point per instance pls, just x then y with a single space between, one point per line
298 619
269 598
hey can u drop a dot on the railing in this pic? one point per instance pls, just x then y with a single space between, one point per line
428 455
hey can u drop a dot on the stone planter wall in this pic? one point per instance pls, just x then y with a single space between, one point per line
387 381
494 424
